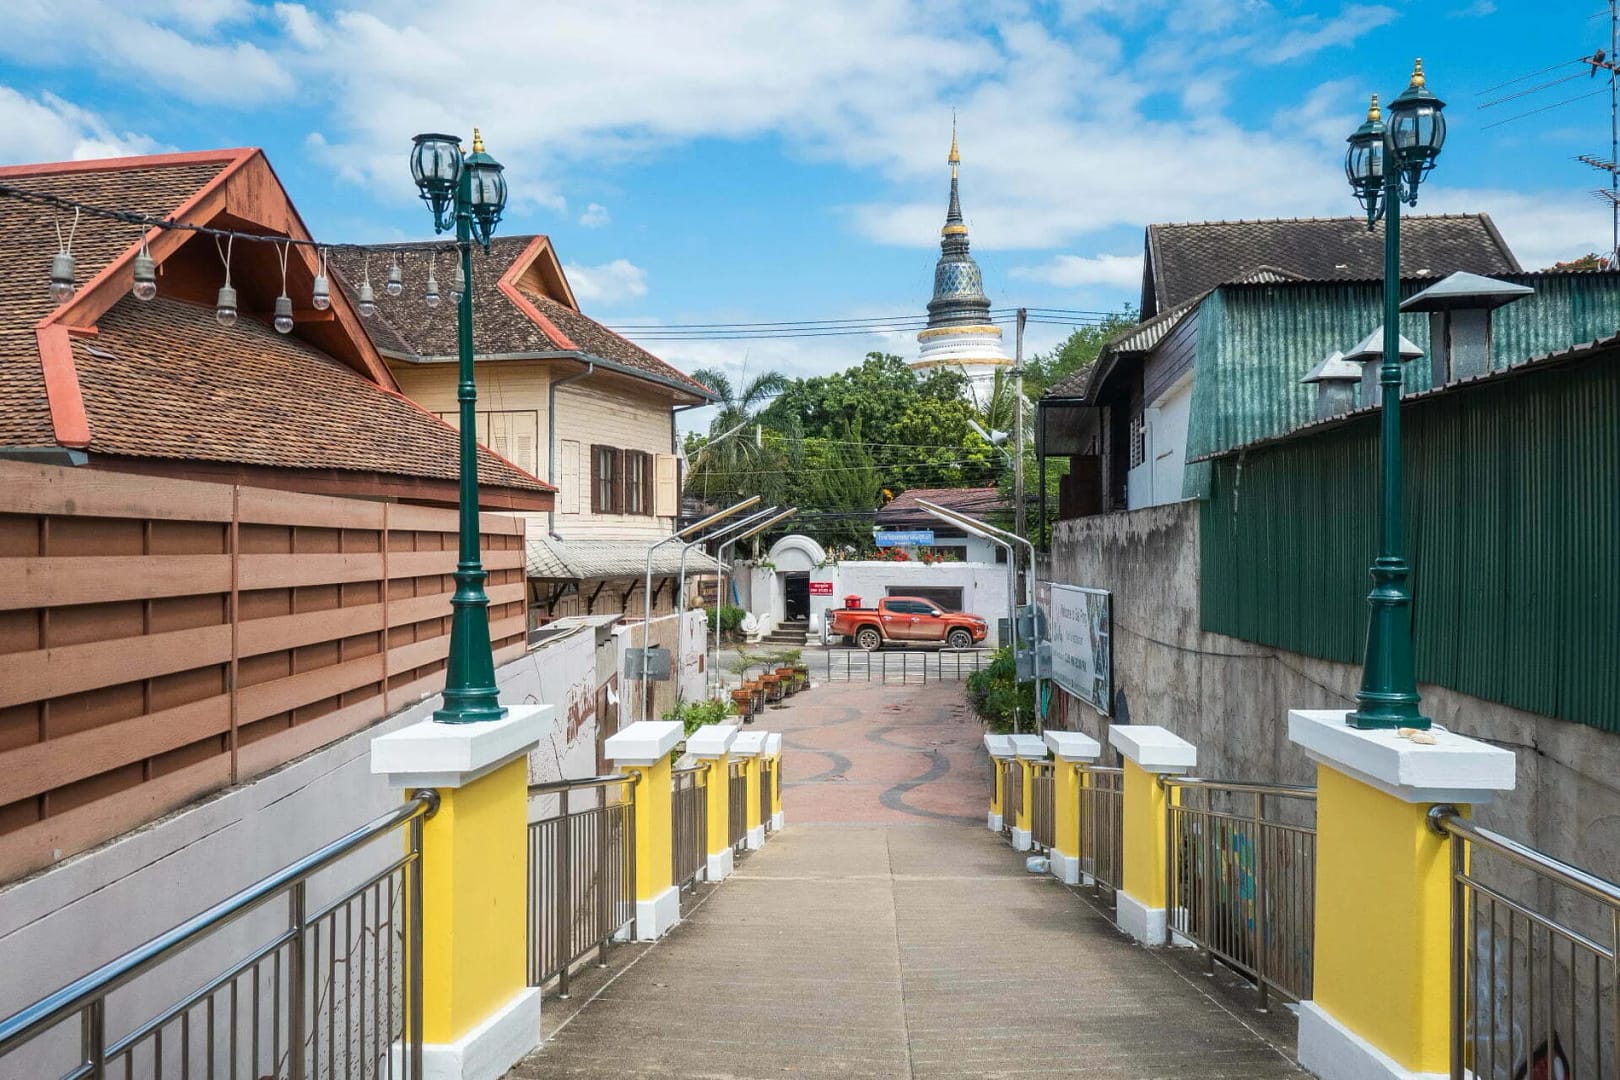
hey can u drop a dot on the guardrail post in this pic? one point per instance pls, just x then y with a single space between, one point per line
711 744
1029 749
478 1017
1382 983
1150 751
749 745
773 752
1074 750
1000 749
644 748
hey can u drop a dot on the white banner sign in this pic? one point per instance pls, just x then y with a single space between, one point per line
1079 624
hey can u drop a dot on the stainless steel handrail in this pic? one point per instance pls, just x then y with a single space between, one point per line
1242 787
587 782
86 990
1446 820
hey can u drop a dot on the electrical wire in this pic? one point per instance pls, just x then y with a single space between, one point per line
1545 108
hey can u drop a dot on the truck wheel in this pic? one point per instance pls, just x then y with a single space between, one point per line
868 638
958 639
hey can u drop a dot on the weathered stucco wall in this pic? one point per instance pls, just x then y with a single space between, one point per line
1232 697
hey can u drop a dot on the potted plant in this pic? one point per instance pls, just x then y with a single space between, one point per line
773 686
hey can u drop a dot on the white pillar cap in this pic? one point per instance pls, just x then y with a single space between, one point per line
748 744
999 746
711 740
644 742
1073 745
1153 748
1030 747
1453 768
773 743
428 754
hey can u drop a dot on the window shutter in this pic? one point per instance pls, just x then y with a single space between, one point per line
596 481
667 491
568 477
621 479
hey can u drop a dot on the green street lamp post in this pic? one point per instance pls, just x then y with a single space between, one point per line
1385 165
466 192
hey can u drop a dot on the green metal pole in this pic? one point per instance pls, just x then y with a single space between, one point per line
1388 697
469 685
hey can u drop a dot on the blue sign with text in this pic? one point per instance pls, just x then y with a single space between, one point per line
906 538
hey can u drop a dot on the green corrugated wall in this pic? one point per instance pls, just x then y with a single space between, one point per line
1513 529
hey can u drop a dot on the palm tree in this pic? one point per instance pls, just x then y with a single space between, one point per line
730 448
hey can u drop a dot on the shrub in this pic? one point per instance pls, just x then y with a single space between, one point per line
694 714
992 692
730 619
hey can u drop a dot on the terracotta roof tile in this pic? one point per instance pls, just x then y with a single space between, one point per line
162 380
597 340
974 502
27 242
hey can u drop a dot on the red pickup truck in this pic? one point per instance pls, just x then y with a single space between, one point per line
903 620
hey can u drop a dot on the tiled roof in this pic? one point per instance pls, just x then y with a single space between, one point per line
28 240
406 327
161 380
1186 260
974 502
582 560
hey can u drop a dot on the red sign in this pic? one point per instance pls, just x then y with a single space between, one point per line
821 588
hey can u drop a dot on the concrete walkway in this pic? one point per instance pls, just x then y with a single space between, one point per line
887 933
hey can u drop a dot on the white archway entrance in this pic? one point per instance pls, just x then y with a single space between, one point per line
793 557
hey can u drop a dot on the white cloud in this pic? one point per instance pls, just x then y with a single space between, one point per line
47 128
1541 229
608 284
1477 10
1074 271
1318 34
595 216
160 45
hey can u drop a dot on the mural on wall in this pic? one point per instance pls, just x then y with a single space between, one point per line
565 669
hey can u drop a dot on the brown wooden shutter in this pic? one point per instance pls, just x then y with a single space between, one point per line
596 484
621 473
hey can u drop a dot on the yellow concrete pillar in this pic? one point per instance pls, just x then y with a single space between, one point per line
750 745
711 744
1150 751
773 750
644 749
1073 750
1382 1000
1000 749
1029 749
478 1016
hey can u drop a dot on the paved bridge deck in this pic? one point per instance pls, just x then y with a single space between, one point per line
887 933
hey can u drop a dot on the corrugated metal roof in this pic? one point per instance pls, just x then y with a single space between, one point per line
583 560
1256 342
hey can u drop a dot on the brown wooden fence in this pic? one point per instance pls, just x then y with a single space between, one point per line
160 639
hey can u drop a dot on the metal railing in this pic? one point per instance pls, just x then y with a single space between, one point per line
737 805
689 824
1102 826
1535 972
1042 811
903 666
582 872
767 777
1242 878
1012 794
332 988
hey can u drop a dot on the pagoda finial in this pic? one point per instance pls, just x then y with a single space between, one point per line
1417 73
1373 113
478 142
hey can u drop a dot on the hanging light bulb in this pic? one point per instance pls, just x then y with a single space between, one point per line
145 275
61 277
396 278
431 297
321 297
368 301
458 284
284 319
225 307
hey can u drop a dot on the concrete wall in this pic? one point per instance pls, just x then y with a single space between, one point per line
687 631
1231 697
92 908
984 586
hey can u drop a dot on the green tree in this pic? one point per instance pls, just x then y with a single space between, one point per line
1078 352
721 460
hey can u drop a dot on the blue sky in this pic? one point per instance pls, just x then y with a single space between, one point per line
704 161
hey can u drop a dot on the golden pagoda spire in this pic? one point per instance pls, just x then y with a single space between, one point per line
956 158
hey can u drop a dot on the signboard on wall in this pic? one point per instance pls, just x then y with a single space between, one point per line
821 588
905 538
1079 624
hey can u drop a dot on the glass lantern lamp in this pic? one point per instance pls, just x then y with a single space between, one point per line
1364 163
1417 131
